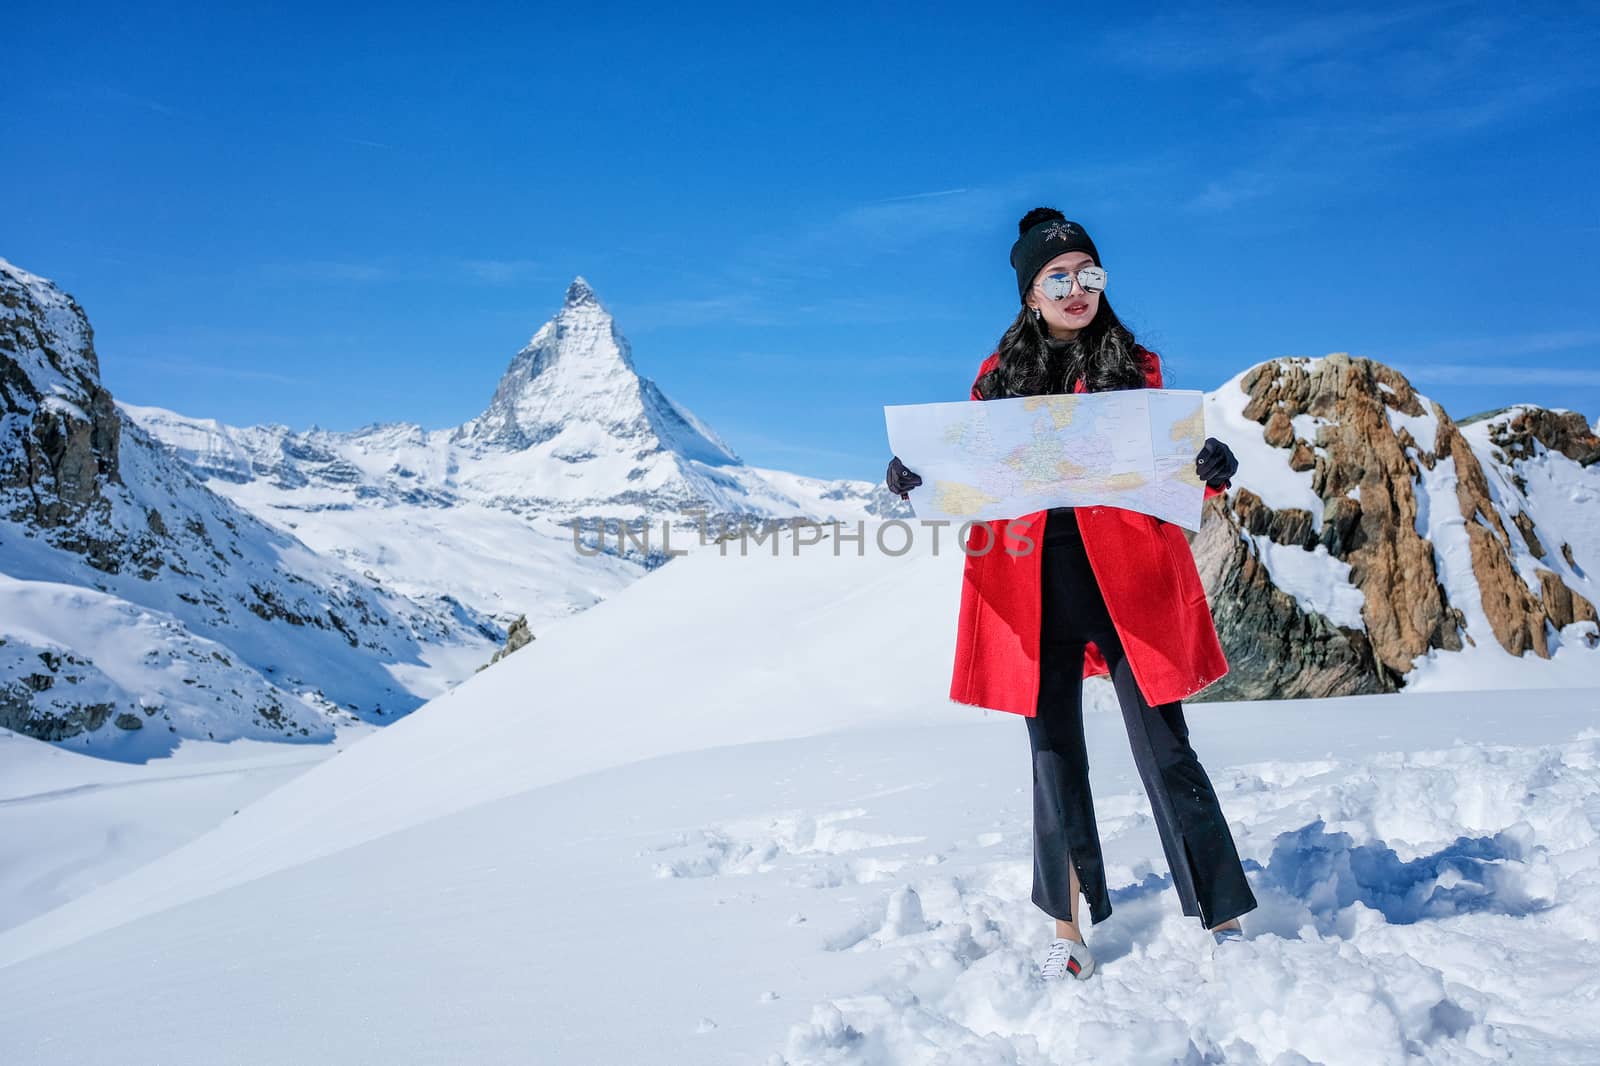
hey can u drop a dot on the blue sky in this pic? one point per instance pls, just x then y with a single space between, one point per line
798 216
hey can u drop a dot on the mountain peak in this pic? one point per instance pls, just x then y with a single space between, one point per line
579 293
575 380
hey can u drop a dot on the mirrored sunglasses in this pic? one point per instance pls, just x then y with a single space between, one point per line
1057 285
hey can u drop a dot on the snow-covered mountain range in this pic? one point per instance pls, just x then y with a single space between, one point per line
137 607
1366 538
483 512
223 581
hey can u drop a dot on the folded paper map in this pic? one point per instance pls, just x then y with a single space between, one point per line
999 459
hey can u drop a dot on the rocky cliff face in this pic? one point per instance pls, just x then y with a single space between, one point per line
130 594
1366 531
59 431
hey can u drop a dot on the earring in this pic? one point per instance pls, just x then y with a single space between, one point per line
1037 317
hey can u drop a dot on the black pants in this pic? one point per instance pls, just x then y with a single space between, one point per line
1199 848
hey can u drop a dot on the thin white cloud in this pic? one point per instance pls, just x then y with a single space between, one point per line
214 370
1478 374
1227 193
1322 97
1502 346
82 92
325 270
919 196
501 271
389 270
1260 39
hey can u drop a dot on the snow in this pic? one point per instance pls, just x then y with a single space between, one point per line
218 557
1318 582
842 608
1306 427
769 837
62 405
1424 428
578 369
72 822
1264 469
737 902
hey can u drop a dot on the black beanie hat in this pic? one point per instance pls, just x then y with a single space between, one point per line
1045 234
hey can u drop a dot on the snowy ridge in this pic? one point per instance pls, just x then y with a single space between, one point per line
51 311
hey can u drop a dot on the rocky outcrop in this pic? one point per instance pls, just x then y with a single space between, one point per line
1358 451
1275 649
517 638
22 709
1518 431
59 430
1386 466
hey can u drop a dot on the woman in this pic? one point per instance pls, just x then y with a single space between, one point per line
1108 591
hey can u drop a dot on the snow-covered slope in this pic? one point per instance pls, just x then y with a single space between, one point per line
138 607
483 512
72 822
778 646
768 837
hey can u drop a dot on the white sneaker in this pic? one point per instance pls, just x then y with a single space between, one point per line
1067 958
1221 939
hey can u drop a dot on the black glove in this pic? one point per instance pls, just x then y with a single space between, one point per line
899 479
1215 464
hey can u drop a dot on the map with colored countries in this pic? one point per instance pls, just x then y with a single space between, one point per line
998 459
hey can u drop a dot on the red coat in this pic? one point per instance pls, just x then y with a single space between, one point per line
1152 592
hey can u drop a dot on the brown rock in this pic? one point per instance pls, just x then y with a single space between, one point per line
1515 429
1530 537
1279 432
518 636
1561 605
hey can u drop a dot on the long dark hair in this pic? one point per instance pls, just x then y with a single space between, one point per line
1104 353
